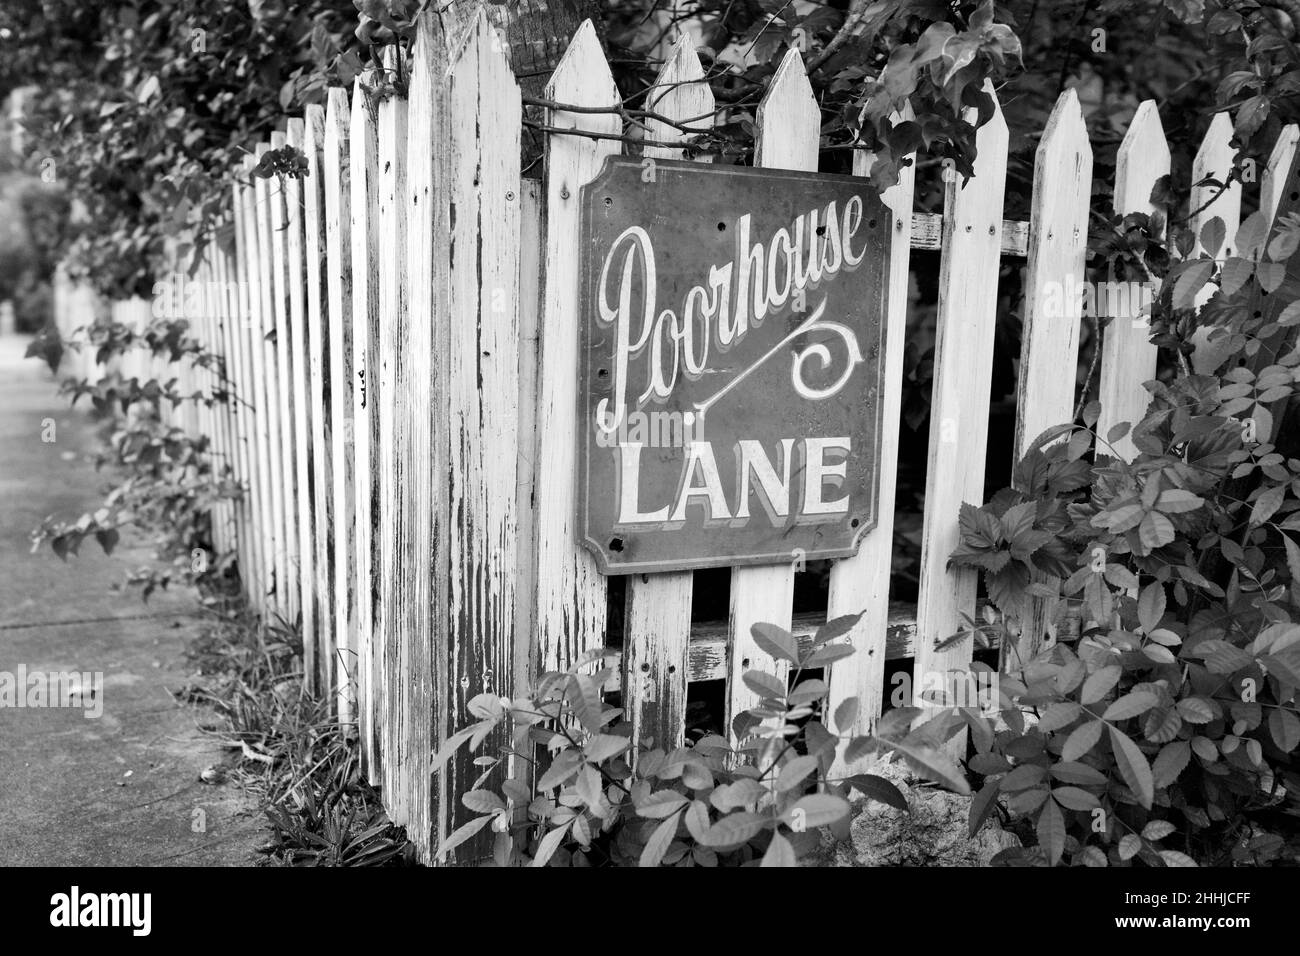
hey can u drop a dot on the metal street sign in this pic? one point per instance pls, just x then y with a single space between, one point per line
732 336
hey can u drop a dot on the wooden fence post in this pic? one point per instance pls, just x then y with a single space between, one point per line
393 318
570 603
860 584
1214 160
316 353
296 405
363 165
959 406
1127 356
657 617
789 131
1049 343
338 213
476 325
421 380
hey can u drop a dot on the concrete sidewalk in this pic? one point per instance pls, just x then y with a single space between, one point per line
123 787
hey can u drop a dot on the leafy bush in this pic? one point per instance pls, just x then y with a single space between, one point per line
1175 708
597 797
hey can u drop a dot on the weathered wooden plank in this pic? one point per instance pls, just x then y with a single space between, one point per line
338 272
530 290
1049 343
657 616
789 127
363 164
1214 160
480 330
300 407
1272 181
393 318
271 335
860 584
570 603
421 379
927 234
959 408
252 568
263 373
319 387
1127 356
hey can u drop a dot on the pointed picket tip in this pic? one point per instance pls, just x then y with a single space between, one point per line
1066 131
488 48
997 124
1144 140
582 76
683 66
1215 147
789 88
684 96
789 123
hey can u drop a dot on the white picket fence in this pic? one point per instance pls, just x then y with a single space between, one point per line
401 329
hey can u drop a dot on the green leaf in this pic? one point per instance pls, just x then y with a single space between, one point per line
482 801
779 853
1177 501
1130 705
584 698
836 628
1051 832
1129 845
816 810
1070 771
1266 505
1285 728
846 714
655 847
1059 715
1157 830
1074 798
1195 710
981 807
1133 767
1174 858
795 772
549 844
738 827
764 685
776 642
1099 684
454 742
932 763
1169 763
602 747
1151 606
1082 740
880 790
1155 531
463 833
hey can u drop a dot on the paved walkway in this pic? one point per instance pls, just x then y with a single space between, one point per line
122 787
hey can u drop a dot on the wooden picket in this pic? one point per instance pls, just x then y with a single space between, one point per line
1127 355
398 332
337 264
1049 350
789 131
363 254
959 404
657 618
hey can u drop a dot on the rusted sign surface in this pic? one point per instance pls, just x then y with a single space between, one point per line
730 369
